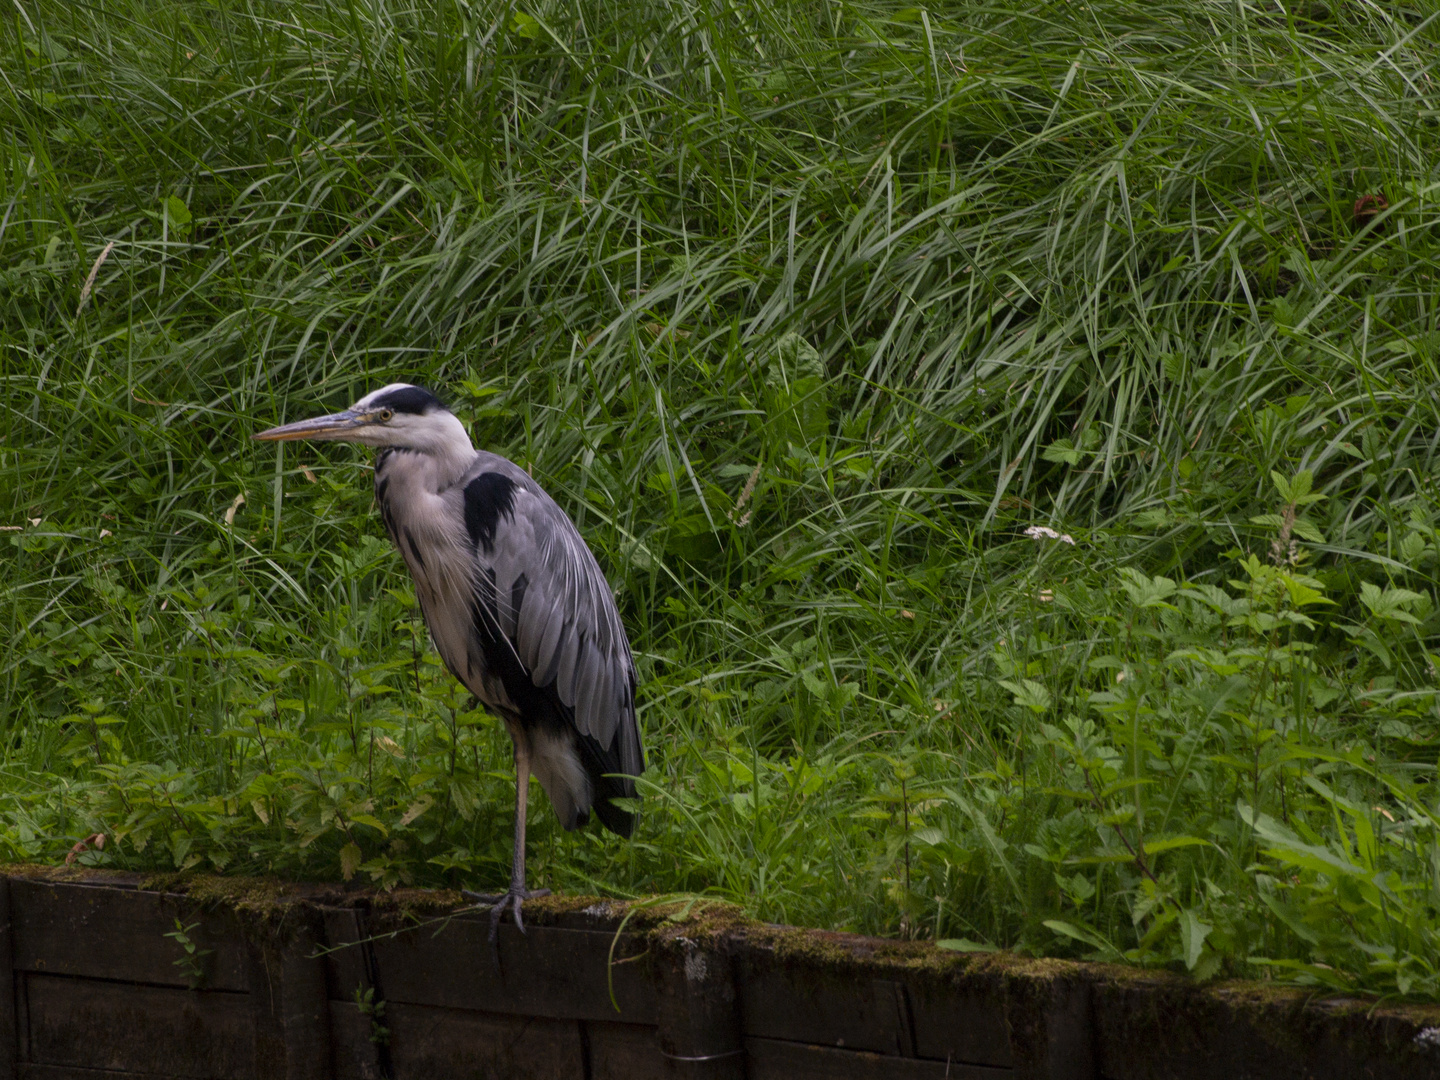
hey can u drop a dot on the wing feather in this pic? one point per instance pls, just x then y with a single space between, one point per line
567 633
528 629
543 670
602 709
570 648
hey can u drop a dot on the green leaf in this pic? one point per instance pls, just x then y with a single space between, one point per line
527 26
1147 592
964 945
1300 486
1088 936
692 537
1289 916
177 212
418 807
1152 519
1390 604
1032 695
1302 595
350 860
1062 450
372 821
1282 486
1193 933
1170 843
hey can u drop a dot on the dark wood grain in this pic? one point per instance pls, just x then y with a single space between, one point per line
30 1071
353 1051
622 1051
961 1024
805 1001
140 1029
428 1043
304 1008
63 929
351 978
809 1003
559 974
9 1036
698 1013
803 1005
346 970
267 1035
775 1059
1161 1027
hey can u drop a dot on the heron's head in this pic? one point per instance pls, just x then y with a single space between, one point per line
398 415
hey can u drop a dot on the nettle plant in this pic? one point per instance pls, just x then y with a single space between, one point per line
301 752
1231 767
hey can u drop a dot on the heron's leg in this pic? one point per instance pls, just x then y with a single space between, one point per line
517 893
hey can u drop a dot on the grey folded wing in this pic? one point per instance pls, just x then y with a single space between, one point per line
555 607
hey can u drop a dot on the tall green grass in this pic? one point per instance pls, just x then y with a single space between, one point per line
806 312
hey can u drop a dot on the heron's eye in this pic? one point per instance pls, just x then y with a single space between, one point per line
386 415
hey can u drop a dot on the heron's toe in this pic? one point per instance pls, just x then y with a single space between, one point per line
499 902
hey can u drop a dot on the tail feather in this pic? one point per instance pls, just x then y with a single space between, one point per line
620 822
606 784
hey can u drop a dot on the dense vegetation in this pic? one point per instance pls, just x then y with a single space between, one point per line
1010 429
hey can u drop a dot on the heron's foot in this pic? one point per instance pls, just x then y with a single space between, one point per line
512 898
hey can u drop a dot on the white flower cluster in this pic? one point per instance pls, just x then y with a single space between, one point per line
1042 532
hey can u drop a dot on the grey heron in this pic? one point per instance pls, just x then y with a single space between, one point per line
515 602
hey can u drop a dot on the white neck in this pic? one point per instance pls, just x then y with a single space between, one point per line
447 444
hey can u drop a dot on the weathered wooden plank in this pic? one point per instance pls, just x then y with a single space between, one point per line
622 1051
346 970
809 1002
349 965
428 1042
352 1046
954 1024
778 1059
698 1015
1163 1027
22 1017
1051 1029
267 1035
9 1037
85 1023
304 1009
800 1000
64 929
557 974
29 1071
806 1004
833 1006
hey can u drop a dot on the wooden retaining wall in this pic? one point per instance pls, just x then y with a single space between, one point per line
310 983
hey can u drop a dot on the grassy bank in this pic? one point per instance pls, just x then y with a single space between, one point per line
807 313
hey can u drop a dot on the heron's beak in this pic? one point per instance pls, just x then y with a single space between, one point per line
341 425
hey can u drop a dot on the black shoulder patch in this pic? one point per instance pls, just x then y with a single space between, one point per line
408 399
488 498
